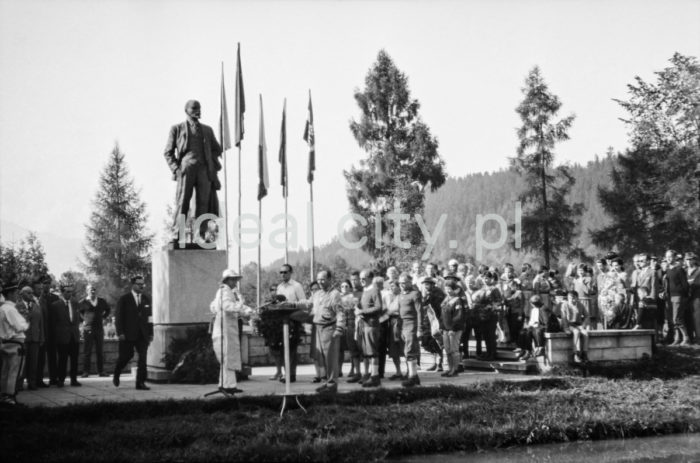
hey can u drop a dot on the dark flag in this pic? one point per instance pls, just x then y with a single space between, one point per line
240 99
283 150
310 139
264 180
224 131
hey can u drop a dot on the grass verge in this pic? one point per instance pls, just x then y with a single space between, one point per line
639 401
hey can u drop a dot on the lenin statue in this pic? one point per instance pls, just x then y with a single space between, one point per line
192 153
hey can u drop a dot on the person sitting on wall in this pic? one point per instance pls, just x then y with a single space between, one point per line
575 320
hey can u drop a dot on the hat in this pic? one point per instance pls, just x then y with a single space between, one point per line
611 255
11 286
229 273
691 255
536 300
428 280
453 262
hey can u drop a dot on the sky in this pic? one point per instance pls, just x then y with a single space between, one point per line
78 76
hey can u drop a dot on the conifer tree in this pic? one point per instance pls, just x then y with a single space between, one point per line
548 222
653 200
117 243
402 160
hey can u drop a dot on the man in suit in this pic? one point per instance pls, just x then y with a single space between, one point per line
29 307
192 153
93 310
134 330
65 322
47 352
676 292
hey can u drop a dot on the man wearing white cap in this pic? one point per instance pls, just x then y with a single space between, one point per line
226 342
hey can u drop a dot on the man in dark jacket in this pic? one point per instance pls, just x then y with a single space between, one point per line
93 310
65 322
47 352
134 329
29 307
676 293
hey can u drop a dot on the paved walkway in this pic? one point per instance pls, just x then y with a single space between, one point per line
96 389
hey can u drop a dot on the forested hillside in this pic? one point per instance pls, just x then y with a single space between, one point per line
462 198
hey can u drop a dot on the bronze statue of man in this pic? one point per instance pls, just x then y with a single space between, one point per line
192 153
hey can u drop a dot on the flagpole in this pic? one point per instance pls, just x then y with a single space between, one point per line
259 247
223 127
311 210
240 110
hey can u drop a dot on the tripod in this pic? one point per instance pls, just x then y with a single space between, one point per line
221 389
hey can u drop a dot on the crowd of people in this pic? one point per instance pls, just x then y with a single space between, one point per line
365 319
369 317
41 333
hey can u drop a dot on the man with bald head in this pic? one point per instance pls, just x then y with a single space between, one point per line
329 319
192 153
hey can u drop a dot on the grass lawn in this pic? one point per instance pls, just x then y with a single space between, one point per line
653 397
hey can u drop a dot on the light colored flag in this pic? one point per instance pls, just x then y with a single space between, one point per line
240 99
224 131
310 139
283 150
264 179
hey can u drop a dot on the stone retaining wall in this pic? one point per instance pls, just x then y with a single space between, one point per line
603 345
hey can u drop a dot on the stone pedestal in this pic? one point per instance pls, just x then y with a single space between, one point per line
184 283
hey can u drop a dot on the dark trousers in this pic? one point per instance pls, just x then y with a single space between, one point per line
126 353
488 332
471 323
694 308
384 332
528 335
47 356
31 362
93 338
515 324
66 351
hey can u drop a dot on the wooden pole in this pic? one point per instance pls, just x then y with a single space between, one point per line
240 194
259 247
311 216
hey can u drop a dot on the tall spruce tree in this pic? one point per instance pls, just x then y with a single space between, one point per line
402 161
116 242
653 199
549 222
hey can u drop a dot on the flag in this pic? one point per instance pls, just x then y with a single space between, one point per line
240 100
264 180
310 139
224 132
283 150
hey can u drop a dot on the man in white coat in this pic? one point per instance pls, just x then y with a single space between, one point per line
229 302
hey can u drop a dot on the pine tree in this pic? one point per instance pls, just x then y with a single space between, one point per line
116 242
402 160
548 222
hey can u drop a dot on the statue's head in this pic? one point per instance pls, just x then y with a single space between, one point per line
193 109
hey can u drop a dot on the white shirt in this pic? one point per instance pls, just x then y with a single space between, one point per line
12 323
534 316
137 297
292 290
